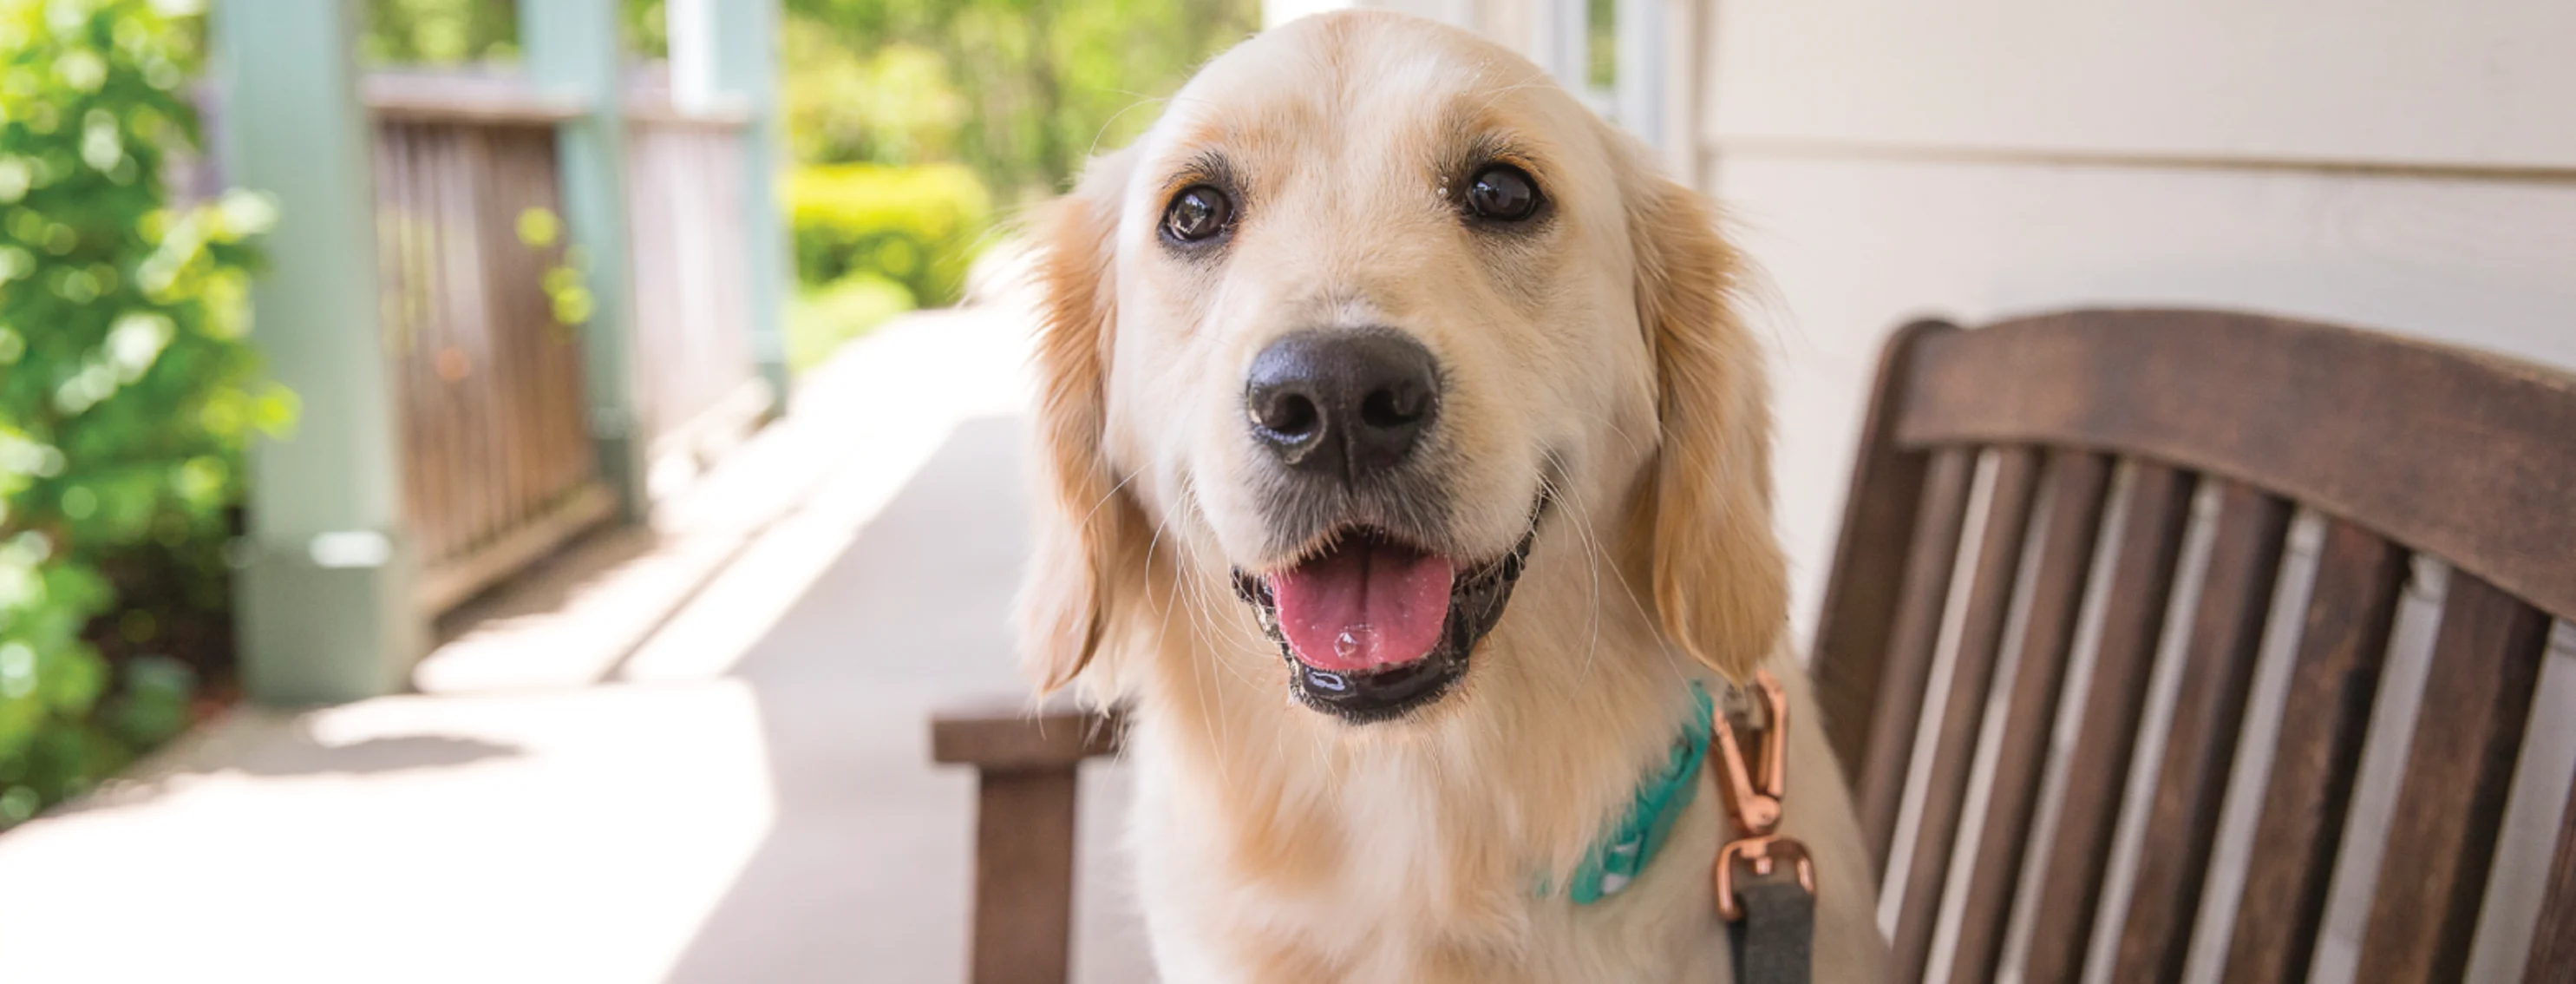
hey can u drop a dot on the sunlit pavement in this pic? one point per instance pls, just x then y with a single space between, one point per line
693 754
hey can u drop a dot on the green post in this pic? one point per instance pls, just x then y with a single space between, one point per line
326 586
570 48
724 55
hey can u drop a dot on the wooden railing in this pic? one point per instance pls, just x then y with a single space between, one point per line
483 323
497 460
684 191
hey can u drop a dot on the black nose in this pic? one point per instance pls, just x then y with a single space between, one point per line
1342 403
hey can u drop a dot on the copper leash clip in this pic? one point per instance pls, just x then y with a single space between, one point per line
1753 798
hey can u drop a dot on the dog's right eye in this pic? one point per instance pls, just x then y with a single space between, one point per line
1198 213
1502 193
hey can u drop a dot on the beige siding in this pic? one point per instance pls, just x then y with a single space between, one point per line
1853 246
2395 165
2458 82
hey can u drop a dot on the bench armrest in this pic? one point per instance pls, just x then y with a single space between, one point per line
997 735
1026 763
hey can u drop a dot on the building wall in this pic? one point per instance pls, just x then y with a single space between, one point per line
2397 165
2404 166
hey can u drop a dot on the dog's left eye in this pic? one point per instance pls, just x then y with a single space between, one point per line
1199 212
1502 193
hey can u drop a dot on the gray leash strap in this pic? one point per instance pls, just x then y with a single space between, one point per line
1775 941
1766 883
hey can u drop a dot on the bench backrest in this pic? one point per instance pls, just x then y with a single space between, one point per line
2026 491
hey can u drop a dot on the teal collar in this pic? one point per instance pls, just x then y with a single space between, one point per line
1627 847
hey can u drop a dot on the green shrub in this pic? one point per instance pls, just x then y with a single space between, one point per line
126 389
917 226
821 319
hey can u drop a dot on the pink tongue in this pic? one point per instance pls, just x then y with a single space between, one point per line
1364 606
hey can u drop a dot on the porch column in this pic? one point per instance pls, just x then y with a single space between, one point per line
570 49
724 57
325 590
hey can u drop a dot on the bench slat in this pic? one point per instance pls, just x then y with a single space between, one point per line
2553 938
2200 746
2450 806
1862 596
1972 673
2158 511
1908 667
2325 724
2077 485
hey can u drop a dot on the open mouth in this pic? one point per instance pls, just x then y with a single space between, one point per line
1373 627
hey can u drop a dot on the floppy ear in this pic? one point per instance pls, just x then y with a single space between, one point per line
1720 583
1089 551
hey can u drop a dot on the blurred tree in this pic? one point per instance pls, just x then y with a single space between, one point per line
440 32
127 391
645 31
1045 83
895 105
1020 90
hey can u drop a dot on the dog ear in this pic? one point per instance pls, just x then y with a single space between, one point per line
1720 582
1089 549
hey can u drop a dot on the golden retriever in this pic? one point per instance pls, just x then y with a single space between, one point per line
1403 464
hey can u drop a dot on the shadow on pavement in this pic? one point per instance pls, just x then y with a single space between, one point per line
865 873
274 745
372 755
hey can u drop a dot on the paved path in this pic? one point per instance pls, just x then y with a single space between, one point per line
691 754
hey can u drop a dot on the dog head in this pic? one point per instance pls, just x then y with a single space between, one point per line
1372 309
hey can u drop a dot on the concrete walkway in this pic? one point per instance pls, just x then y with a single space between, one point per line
694 753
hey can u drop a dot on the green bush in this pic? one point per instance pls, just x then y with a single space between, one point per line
821 319
917 226
1043 84
126 389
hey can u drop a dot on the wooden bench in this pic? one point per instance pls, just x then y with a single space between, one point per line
2100 428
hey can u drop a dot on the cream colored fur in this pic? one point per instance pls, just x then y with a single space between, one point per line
1274 843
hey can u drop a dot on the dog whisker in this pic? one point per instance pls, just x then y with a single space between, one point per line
1104 500
1593 559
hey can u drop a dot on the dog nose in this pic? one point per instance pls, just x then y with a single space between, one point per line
1342 403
